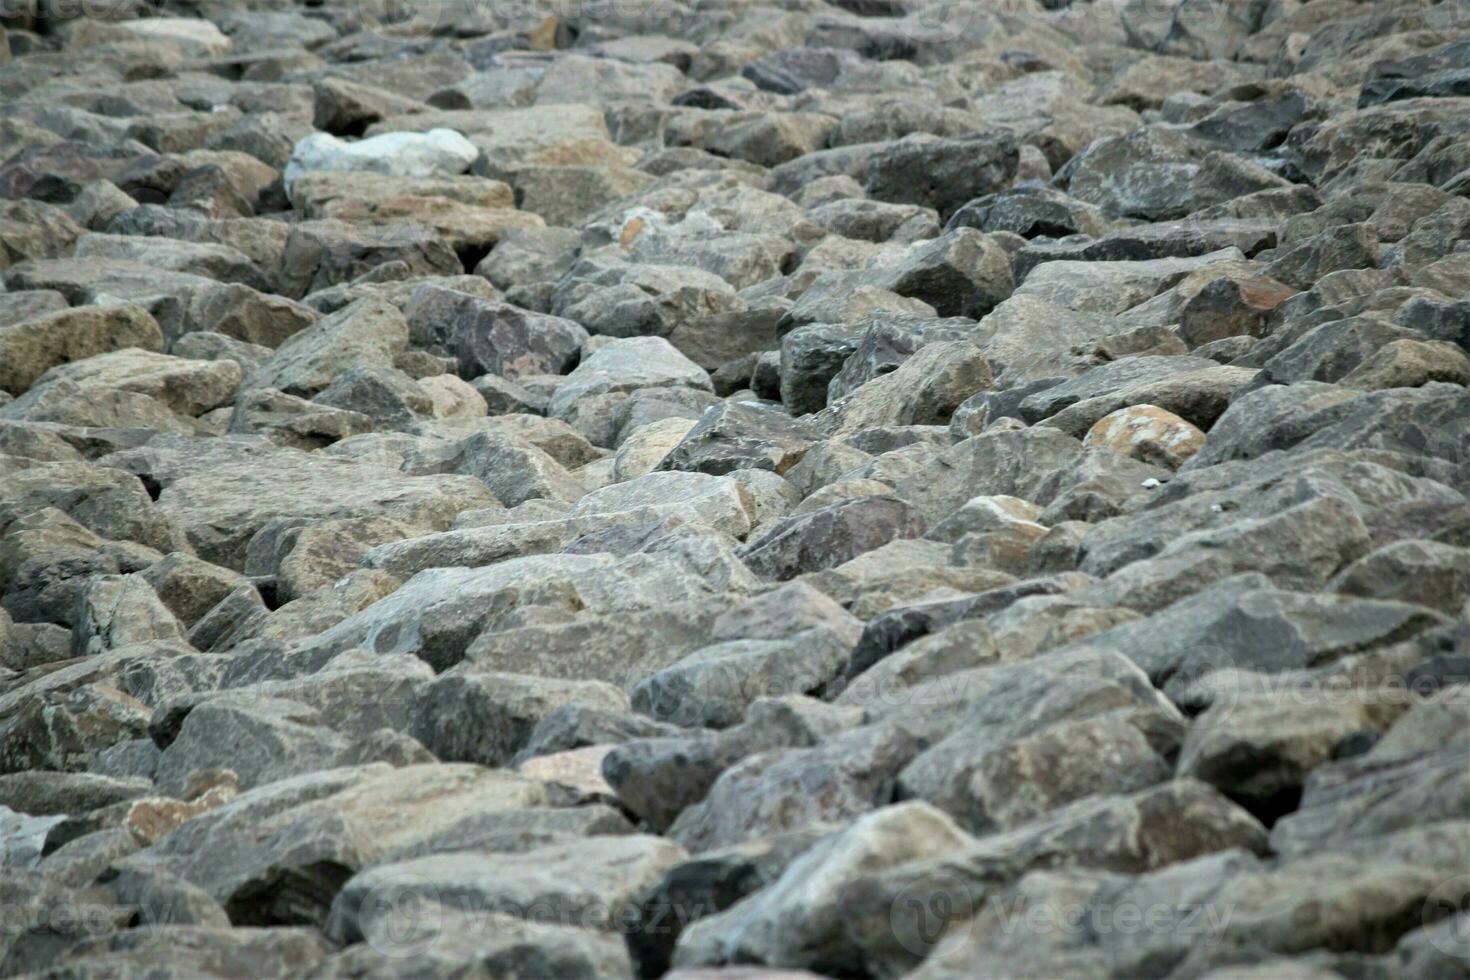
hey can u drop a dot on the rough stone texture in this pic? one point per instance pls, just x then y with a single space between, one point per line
838 488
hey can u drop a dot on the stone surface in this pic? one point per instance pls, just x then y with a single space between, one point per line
862 488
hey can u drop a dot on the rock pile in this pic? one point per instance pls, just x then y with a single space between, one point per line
736 488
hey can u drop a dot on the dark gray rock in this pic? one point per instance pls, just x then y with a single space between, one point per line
828 537
942 173
732 436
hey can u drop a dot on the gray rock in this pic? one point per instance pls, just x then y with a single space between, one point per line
624 366
261 739
1224 626
387 396
221 497
365 334
713 686
530 255
116 611
1423 421
585 884
797 921
294 422
1174 821
887 342
320 254
425 938
992 788
1294 548
828 537
498 338
841 297
875 221
811 357
1147 174
959 273
317 829
1367 797
925 390
732 436
942 173
196 948
847 776
475 716
1426 573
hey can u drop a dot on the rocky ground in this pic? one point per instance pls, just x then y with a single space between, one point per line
735 489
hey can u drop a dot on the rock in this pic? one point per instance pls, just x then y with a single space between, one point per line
497 338
569 195
322 827
1174 821
261 739
584 884
773 139
436 153
321 254
31 347
623 366
1409 363
847 776
953 171
1016 463
1260 748
530 255
1262 545
220 523
488 717
1230 307
713 686
193 948
1309 629
345 108
117 611
441 940
811 357
187 387
1309 416
874 221
1146 174
830 536
888 341
732 436
959 273
1368 798
1146 433
796 920
365 334
1341 247
437 613
294 422
1422 572
925 389
963 473
652 298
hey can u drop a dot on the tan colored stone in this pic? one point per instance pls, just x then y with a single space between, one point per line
577 771
30 348
1409 363
153 818
1146 433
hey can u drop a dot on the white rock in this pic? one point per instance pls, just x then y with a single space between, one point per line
193 32
437 153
